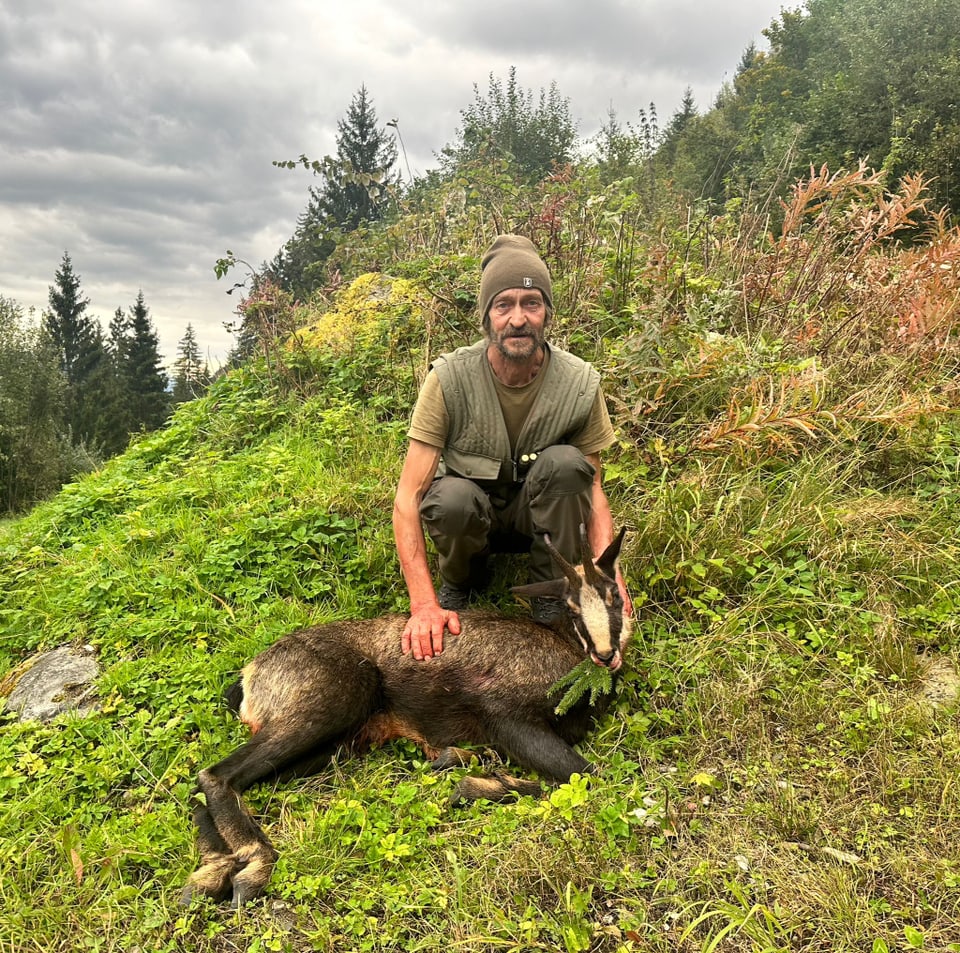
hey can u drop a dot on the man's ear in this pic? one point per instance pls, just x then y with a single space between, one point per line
553 589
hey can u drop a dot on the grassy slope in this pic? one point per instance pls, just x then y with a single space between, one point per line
771 779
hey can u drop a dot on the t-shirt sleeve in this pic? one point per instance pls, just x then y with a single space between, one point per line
597 433
429 423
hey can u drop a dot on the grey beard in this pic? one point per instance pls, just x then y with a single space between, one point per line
507 355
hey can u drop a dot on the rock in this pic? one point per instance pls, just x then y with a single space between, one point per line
940 681
54 682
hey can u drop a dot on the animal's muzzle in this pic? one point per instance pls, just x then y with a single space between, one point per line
611 660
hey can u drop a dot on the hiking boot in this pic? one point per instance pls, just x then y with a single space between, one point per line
546 611
452 597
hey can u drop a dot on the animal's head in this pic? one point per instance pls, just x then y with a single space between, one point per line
592 598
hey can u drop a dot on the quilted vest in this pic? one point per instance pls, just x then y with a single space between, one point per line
478 446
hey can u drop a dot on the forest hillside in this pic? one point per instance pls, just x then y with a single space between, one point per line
779 769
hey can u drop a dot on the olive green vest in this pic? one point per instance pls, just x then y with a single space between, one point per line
478 446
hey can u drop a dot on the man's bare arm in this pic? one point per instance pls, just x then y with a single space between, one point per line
600 531
423 634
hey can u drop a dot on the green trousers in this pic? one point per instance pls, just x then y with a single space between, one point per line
465 522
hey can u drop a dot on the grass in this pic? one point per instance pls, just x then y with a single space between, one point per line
771 777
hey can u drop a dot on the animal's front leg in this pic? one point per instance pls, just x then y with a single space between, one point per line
535 747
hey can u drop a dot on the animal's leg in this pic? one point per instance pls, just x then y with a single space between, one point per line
300 724
218 864
452 758
535 747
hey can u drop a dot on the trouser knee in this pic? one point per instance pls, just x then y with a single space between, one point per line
454 506
458 515
561 470
559 488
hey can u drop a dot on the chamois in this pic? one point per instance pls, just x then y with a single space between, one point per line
347 683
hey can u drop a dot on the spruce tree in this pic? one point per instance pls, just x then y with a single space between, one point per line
78 342
116 420
70 329
146 381
191 375
357 191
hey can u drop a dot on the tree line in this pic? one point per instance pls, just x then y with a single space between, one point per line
72 394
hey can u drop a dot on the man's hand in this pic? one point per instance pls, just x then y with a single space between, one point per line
423 633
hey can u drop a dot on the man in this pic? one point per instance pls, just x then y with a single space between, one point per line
505 444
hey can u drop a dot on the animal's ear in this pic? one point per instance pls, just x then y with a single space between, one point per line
607 563
554 589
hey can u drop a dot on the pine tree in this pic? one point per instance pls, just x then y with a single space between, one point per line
365 154
191 375
119 337
146 381
116 411
70 329
356 186
81 351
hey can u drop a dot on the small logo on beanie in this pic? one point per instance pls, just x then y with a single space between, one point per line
527 282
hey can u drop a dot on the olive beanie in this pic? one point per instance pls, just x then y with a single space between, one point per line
512 262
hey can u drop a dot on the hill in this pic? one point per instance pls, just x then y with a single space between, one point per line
775 774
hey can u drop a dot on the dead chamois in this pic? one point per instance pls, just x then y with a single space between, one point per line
348 684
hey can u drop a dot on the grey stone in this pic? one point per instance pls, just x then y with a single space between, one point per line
54 682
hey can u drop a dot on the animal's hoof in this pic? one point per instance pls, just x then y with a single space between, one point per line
243 893
451 758
186 897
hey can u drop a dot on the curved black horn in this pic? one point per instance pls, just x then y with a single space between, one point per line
568 570
586 555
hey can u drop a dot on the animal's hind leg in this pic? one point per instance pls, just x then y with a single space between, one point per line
452 758
231 842
301 703
301 725
218 864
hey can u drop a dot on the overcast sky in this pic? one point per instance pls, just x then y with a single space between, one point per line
138 135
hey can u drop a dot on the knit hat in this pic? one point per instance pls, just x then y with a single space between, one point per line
512 262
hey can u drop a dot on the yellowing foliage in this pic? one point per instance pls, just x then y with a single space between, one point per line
375 310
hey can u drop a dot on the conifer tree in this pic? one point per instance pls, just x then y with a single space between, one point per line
146 381
191 375
78 342
355 188
70 329
116 417
356 192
